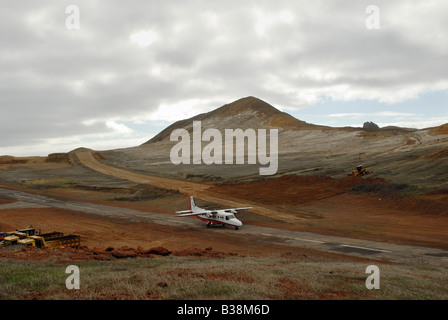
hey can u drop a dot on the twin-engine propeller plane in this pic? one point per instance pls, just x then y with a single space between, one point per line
212 217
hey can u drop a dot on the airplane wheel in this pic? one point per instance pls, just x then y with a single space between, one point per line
236 228
208 225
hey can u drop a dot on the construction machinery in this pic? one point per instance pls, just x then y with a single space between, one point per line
30 237
51 235
10 241
360 171
29 231
72 241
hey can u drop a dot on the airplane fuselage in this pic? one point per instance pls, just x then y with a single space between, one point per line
220 217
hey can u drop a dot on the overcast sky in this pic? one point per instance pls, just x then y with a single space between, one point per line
134 67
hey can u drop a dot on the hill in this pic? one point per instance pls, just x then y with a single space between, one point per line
400 155
249 112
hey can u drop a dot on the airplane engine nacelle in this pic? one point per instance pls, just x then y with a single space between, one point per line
208 215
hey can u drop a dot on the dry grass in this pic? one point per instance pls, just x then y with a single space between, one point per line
187 278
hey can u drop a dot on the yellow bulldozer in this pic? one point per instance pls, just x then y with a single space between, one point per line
31 237
360 171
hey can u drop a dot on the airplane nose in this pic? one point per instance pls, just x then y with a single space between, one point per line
238 223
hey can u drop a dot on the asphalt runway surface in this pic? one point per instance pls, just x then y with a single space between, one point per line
356 247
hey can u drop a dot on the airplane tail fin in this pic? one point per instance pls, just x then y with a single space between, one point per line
192 204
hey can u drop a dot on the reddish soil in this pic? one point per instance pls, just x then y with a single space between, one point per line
108 254
6 200
380 219
435 155
443 129
292 190
113 239
323 205
12 160
331 208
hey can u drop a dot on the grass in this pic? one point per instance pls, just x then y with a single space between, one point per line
235 278
48 183
19 278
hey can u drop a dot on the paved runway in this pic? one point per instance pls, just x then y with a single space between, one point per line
349 246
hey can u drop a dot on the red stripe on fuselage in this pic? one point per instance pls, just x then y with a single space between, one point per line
216 222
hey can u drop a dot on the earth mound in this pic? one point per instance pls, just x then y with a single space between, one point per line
109 254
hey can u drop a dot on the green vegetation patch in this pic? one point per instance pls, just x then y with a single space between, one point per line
238 278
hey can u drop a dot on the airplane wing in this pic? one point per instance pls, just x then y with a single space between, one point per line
190 213
187 213
238 209
184 211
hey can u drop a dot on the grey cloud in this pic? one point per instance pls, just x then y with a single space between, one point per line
53 80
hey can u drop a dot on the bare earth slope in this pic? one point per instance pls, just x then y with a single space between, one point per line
414 157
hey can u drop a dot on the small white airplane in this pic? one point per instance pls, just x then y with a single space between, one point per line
221 216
